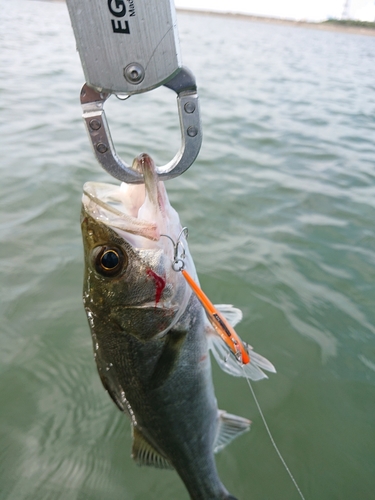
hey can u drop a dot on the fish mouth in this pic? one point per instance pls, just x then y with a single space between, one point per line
113 206
135 211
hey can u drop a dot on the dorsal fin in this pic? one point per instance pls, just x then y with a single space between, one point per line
143 453
230 427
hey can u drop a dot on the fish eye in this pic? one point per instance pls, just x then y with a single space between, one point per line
110 261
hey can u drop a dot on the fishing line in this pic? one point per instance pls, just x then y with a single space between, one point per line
272 439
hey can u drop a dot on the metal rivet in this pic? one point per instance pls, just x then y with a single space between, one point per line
192 131
95 124
189 107
101 148
134 73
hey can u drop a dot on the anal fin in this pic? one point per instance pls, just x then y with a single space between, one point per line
143 453
230 427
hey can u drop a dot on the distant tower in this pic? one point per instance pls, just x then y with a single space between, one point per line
346 10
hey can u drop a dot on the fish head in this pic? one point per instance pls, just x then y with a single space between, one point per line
129 279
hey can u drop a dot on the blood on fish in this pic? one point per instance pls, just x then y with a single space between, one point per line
159 284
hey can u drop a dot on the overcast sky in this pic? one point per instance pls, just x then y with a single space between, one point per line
309 10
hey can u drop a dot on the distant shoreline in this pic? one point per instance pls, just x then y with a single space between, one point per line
323 26
331 25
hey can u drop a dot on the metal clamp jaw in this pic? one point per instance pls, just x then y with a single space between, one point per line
184 85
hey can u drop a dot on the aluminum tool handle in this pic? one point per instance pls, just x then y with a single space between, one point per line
126 46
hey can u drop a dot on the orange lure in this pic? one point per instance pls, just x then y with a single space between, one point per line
221 325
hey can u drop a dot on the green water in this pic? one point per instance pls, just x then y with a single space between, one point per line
280 207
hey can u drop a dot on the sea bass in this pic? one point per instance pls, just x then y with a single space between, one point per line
151 335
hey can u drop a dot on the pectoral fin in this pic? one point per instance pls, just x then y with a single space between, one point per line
232 314
230 427
224 355
222 326
143 453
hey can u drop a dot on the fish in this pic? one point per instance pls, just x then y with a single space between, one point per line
152 332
